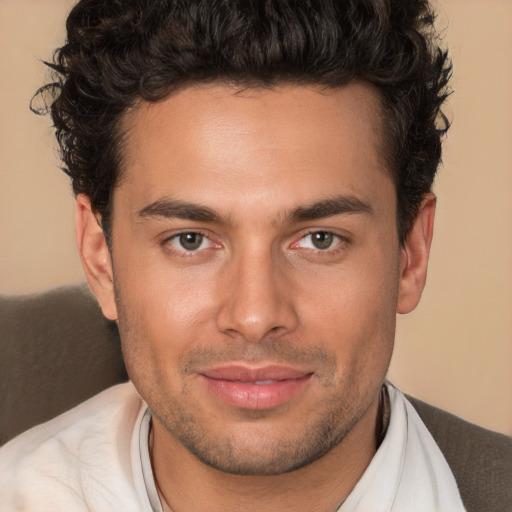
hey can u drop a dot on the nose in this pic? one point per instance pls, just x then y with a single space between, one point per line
257 298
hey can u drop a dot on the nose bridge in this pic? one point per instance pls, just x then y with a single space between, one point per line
256 299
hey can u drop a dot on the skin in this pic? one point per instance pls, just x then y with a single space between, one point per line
239 173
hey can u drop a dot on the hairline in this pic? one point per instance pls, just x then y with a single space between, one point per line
123 127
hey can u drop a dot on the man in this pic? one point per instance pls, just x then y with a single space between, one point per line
254 207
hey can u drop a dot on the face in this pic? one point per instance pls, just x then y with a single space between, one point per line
256 268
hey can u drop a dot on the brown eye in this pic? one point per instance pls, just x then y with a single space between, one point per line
322 240
319 241
190 241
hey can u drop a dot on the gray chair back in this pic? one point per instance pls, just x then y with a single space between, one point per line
56 350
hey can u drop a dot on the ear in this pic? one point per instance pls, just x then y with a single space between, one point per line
414 257
95 256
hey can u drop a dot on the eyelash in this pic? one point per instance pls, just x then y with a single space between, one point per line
184 253
339 242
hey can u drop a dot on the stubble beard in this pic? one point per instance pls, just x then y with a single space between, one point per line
345 403
253 452
274 456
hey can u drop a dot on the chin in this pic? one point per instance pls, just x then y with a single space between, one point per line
260 449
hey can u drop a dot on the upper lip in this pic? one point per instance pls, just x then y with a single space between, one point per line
241 373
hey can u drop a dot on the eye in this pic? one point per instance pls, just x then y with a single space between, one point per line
189 241
319 240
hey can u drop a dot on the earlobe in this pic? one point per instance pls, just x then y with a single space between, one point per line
95 256
414 257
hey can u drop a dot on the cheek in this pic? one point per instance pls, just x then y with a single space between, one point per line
355 316
162 311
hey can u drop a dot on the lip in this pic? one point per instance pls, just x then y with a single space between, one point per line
255 388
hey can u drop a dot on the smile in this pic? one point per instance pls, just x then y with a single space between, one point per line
255 389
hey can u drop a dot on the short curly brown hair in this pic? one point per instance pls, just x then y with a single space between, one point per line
120 51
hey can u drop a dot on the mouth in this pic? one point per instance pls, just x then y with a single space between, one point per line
255 388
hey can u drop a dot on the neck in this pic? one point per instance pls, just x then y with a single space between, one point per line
186 483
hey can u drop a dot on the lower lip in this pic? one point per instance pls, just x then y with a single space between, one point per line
256 396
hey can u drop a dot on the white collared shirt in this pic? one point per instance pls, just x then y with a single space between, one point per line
95 457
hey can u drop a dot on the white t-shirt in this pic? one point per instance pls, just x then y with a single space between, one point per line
95 457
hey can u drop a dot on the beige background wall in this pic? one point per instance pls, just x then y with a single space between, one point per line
456 349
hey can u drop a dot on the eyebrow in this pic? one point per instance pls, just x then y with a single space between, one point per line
331 207
175 208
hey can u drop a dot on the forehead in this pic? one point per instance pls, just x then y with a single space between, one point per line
216 143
